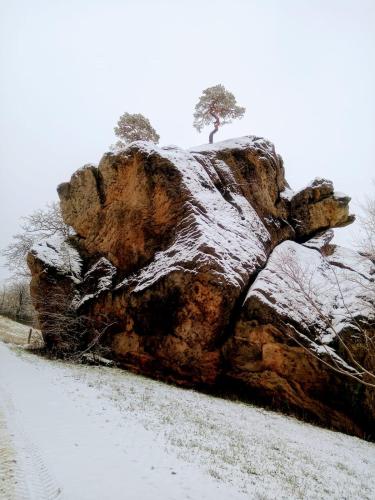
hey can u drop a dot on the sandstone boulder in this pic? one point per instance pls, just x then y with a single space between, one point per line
303 325
169 244
318 207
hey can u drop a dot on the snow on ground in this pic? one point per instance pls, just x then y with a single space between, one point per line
17 333
10 331
79 432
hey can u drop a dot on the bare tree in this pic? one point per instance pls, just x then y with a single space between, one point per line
219 104
40 225
15 302
133 127
367 220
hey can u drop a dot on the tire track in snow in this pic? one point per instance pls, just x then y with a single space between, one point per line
8 462
23 473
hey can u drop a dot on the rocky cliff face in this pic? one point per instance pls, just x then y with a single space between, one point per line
184 255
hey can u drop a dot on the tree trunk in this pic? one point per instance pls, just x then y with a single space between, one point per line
2 301
216 125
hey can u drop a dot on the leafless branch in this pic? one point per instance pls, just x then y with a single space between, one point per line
301 278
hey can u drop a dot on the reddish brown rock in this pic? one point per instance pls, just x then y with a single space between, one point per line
56 273
308 311
317 207
168 242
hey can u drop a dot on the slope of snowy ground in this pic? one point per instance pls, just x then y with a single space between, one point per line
12 332
79 432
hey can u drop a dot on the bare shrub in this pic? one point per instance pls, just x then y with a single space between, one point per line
338 322
68 333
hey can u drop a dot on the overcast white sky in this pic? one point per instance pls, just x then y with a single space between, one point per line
304 70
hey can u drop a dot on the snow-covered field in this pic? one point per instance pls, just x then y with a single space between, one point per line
79 432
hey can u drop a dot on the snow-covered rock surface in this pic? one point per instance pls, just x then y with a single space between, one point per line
78 432
97 280
203 238
239 143
57 254
170 242
325 294
306 321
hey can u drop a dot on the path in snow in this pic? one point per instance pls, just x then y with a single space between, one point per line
78 432
22 469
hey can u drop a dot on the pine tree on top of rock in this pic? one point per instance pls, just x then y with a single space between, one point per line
133 127
219 104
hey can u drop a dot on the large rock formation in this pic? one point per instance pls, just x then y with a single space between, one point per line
164 270
305 322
